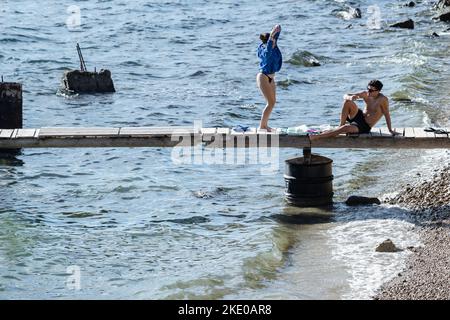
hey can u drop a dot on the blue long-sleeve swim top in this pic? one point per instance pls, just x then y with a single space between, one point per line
270 58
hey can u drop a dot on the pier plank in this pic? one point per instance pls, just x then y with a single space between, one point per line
386 133
209 131
421 133
99 137
156 131
25 133
77 132
6 133
223 130
375 132
409 133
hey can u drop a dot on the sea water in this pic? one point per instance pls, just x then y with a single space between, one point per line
134 223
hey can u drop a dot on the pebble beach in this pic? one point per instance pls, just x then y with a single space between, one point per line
427 273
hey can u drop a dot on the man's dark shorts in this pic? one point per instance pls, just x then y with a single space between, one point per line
360 122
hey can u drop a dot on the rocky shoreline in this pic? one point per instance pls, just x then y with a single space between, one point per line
427 272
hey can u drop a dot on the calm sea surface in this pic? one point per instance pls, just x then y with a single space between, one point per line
133 224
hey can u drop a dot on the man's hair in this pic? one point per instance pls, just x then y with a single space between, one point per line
264 37
376 83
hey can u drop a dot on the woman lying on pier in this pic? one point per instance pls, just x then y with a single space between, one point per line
360 121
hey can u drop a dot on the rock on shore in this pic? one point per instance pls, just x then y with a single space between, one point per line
427 274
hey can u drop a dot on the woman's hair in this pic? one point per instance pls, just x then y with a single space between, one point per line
264 37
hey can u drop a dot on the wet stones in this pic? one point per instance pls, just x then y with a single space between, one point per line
387 246
445 17
408 24
88 82
441 4
358 201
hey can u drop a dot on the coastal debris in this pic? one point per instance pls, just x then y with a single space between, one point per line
408 24
83 81
387 246
357 200
80 56
88 82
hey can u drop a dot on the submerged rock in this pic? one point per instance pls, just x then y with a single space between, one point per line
357 200
408 24
441 4
445 17
387 246
304 58
348 13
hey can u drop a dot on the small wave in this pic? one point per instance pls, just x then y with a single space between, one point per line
46 175
235 115
191 220
348 13
289 82
130 64
304 58
80 214
209 194
197 74
122 189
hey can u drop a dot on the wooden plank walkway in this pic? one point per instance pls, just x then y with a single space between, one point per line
408 138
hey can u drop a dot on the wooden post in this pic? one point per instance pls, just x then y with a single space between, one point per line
10 111
10 105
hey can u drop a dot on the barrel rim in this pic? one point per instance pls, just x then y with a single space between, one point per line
327 162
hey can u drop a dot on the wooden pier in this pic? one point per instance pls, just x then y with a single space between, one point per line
131 137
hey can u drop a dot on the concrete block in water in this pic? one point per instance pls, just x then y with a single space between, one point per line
88 82
10 105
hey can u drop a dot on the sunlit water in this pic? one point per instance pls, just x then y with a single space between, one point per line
138 225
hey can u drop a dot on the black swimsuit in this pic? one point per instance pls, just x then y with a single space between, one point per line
270 79
359 122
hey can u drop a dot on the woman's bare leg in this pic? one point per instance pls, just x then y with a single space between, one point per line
269 92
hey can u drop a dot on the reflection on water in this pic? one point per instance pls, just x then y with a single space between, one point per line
9 158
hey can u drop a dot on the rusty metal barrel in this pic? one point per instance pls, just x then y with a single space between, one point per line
309 180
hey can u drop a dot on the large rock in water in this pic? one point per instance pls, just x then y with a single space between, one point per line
387 246
408 24
356 201
442 3
88 82
445 17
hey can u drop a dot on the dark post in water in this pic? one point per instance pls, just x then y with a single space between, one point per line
10 105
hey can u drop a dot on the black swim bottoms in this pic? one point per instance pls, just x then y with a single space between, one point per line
360 122
270 79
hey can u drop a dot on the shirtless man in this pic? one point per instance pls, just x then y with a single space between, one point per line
377 105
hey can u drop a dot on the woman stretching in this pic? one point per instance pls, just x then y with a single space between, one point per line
270 62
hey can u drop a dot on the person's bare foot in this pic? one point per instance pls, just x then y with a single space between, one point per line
268 129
